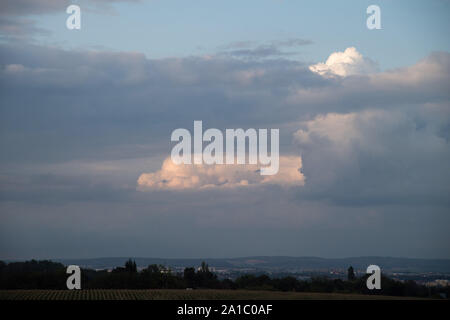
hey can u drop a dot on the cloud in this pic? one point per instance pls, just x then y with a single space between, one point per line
246 44
260 50
292 42
374 150
19 28
197 177
16 24
432 72
424 82
336 131
59 106
375 157
26 7
349 62
36 7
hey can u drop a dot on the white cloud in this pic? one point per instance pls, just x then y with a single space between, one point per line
349 62
337 128
376 154
183 177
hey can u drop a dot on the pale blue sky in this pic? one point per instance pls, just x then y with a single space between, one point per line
410 29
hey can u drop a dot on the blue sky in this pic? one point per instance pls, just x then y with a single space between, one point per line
160 29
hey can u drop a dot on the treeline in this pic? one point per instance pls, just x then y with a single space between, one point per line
50 275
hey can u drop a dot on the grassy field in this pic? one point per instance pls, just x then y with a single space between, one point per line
161 294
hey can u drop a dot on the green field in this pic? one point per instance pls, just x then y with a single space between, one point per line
172 294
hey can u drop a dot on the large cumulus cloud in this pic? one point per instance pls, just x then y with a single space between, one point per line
375 157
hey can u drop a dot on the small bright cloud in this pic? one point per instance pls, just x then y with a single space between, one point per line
349 62
185 177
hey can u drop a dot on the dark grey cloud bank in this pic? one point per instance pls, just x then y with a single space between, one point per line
77 129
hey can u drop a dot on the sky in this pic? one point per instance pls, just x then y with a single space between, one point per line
86 118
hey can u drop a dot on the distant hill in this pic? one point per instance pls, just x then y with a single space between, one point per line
278 263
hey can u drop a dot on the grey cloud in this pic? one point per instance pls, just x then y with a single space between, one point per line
30 7
261 50
100 99
121 229
37 7
246 44
16 16
58 189
239 45
97 105
20 28
421 83
292 42
70 108
380 158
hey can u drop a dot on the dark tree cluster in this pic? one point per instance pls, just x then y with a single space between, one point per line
50 275
32 275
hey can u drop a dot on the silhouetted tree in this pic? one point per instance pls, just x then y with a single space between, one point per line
351 274
130 266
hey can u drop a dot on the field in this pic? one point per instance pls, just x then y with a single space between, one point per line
162 294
